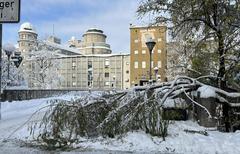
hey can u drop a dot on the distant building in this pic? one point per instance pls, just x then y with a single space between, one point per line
54 39
27 41
83 64
140 57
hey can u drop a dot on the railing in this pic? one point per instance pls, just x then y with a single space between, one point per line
15 95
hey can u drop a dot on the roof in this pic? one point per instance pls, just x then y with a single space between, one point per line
72 51
96 55
27 27
94 31
147 27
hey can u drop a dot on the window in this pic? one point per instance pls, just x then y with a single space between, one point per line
74 76
73 65
135 64
107 63
143 64
159 39
74 84
89 64
127 71
107 83
107 75
136 52
159 51
143 51
159 64
152 63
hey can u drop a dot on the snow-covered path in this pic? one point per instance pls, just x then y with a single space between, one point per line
15 114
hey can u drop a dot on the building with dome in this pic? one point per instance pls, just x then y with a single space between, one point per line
93 42
84 64
27 38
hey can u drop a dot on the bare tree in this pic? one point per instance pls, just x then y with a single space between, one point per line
203 19
44 66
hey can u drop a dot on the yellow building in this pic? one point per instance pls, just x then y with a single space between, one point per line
140 56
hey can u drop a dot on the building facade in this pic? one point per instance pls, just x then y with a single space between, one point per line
110 71
140 56
82 64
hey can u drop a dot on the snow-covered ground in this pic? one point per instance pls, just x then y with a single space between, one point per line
15 114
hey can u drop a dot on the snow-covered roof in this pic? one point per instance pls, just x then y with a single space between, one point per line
27 27
62 47
94 31
96 55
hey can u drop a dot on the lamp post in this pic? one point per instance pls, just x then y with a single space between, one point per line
114 82
150 44
9 50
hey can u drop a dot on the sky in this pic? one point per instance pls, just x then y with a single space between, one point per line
74 17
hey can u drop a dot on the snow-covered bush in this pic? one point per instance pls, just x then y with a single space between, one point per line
16 75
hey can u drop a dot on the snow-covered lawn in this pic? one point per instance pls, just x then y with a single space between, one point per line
15 114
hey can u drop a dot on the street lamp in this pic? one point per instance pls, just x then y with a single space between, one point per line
9 50
150 44
114 82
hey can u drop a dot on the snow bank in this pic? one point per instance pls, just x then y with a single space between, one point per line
206 91
178 141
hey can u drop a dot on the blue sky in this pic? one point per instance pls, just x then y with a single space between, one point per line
74 17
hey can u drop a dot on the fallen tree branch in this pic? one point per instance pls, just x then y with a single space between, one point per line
205 133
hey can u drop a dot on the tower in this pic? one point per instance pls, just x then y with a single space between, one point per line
27 38
94 42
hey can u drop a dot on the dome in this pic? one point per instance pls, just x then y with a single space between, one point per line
27 27
94 30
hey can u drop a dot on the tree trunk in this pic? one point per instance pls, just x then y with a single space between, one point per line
222 79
